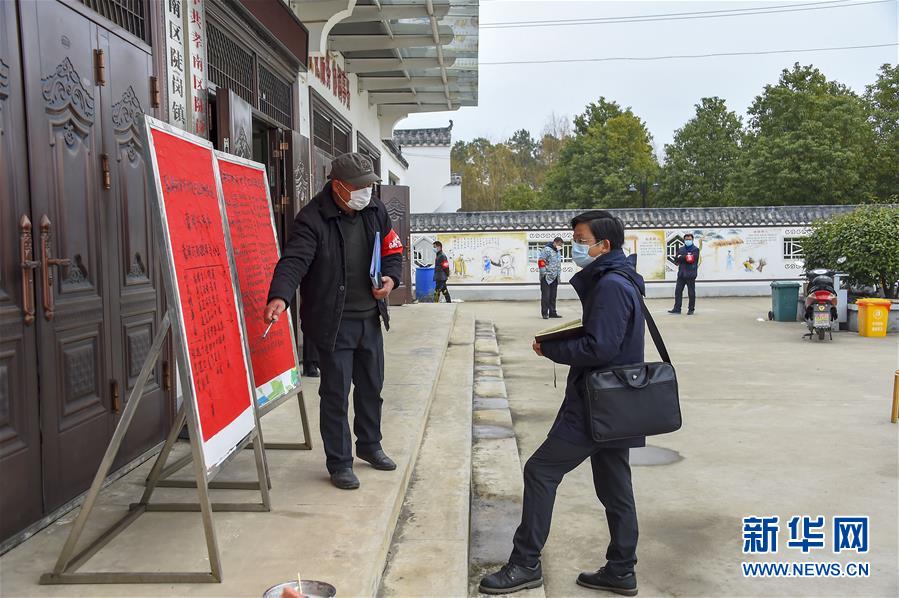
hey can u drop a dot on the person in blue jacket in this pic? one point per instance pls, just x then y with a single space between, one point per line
687 261
613 331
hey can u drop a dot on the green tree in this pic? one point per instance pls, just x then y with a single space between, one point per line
610 150
808 142
883 101
867 237
701 159
487 169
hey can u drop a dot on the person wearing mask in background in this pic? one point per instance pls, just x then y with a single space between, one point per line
549 264
687 261
328 255
441 273
613 329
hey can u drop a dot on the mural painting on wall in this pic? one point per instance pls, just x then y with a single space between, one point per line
739 253
649 245
486 257
744 254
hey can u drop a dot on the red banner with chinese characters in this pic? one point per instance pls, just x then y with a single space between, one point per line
206 294
255 249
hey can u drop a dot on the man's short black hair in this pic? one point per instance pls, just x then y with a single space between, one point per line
603 225
438 244
688 235
558 240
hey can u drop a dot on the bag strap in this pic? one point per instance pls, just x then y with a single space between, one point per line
653 329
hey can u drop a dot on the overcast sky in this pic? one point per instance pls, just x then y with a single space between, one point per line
661 92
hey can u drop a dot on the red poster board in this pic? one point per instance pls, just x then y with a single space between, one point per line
255 244
197 249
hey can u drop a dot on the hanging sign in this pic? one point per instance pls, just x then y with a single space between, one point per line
251 222
202 288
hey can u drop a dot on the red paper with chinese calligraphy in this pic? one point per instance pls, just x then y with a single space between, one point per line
199 255
244 189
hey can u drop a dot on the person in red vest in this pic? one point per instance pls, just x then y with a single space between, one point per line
441 273
687 261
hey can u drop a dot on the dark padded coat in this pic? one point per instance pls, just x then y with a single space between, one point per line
685 268
613 335
314 260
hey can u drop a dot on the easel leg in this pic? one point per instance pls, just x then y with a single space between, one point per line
158 472
306 445
66 560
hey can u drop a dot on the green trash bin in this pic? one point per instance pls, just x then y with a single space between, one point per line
784 301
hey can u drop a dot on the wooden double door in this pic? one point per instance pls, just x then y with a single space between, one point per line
80 291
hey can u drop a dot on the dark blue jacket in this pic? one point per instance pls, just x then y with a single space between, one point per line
613 335
686 270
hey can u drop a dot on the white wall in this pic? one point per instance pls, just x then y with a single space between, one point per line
363 118
428 175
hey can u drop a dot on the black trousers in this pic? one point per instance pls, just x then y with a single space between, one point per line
358 357
548 296
612 481
310 353
690 283
440 287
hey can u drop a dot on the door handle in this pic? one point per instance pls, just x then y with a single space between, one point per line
46 262
26 252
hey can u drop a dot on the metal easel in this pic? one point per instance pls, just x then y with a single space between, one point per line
66 569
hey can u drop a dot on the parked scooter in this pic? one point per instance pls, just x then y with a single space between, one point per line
821 302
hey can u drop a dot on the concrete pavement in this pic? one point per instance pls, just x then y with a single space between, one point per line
773 425
327 534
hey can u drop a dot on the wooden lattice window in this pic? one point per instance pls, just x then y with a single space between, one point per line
230 65
130 15
330 133
275 97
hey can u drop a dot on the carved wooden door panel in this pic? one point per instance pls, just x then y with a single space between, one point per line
134 288
396 199
20 439
235 124
67 198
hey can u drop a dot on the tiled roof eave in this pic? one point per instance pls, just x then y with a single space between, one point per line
723 217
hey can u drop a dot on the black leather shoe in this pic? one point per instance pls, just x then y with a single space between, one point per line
311 371
512 578
673 311
626 585
345 479
378 460
545 317
554 316
690 313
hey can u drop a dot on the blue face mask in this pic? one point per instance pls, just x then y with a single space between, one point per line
580 253
688 243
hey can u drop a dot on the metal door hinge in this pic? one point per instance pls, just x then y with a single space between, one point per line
284 146
155 92
116 396
276 153
166 376
100 66
285 203
107 176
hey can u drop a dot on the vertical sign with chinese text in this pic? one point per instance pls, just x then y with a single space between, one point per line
248 208
178 95
196 67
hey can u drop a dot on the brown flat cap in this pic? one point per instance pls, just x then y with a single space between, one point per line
354 169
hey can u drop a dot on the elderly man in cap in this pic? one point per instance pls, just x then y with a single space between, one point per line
328 256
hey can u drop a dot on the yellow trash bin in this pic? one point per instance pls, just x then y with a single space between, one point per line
873 315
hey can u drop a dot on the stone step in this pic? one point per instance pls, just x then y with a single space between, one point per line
497 486
429 552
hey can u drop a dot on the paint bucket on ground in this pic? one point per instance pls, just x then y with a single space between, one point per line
311 588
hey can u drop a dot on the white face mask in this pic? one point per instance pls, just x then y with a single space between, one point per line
359 199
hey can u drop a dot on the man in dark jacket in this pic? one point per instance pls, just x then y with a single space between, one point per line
549 267
328 256
613 335
687 261
441 273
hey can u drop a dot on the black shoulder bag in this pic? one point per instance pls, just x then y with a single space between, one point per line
634 400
